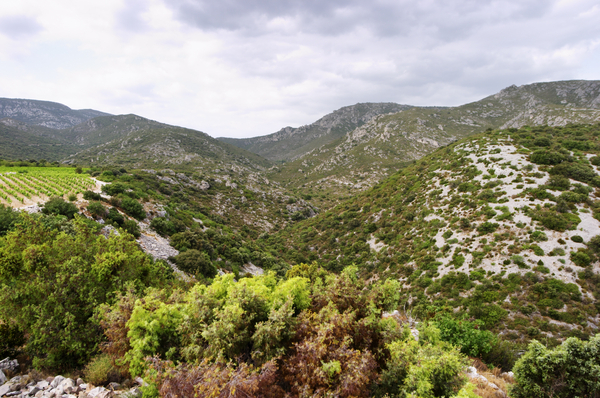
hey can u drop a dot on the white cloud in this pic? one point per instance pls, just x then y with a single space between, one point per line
250 67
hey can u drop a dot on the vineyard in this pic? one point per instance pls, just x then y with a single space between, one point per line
29 185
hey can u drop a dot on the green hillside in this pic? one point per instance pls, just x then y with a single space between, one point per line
377 149
136 142
502 226
290 143
21 141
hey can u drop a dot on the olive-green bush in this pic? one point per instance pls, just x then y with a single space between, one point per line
569 370
51 282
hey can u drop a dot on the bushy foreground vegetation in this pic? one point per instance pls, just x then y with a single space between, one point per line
74 299
54 274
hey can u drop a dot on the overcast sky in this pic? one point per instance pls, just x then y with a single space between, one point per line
242 68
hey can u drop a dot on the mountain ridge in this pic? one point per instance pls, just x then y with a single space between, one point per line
290 143
45 113
376 149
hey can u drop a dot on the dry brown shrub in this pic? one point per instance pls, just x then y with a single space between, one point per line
325 338
217 380
113 321
479 365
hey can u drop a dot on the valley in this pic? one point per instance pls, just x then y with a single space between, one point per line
351 257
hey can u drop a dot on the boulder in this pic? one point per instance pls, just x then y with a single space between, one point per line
56 382
95 392
66 383
3 378
10 364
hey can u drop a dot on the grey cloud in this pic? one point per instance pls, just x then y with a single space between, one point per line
443 19
19 26
129 17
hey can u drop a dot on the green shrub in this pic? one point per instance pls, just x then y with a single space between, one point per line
569 370
487 228
558 182
580 258
114 188
557 221
100 371
370 228
133 208
538 251
162 226
489 314
538 236
467 335
518 260
595 160
572 197
132 227
546 157
152 331
576 171
89 195
196 262
428 368
57 206
542 141
52 281
579 145
72 197
458 260
577 239
97 210
11 340
115 217
594 244
487 195
540 193
8 218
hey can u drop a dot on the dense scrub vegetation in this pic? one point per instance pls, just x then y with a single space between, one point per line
55 273
467 230
310 332
392 293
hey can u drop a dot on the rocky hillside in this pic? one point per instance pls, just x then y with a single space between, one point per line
45 113
290 143
19 140
378 148
502 226
137 142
